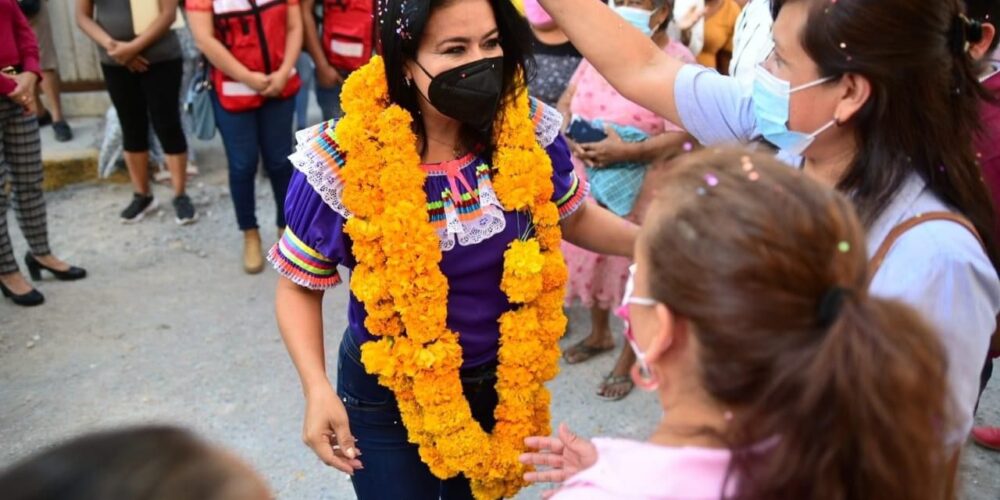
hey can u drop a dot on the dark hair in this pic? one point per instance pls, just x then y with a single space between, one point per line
401 26
985 11
849 402
923 111
143 463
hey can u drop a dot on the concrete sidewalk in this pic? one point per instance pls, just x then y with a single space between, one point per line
168 328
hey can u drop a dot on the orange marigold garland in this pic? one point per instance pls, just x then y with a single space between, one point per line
399 280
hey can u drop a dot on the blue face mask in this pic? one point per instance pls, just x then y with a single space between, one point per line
771 96
635 16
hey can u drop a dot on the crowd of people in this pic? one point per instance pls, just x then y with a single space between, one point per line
790 204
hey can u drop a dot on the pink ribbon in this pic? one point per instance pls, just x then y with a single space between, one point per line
453 170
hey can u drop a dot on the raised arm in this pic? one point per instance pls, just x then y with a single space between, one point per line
629 60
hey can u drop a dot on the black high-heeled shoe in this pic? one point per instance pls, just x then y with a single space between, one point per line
35 270
32 298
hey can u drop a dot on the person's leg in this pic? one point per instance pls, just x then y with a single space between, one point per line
597 342
329 100
304 67
392 466
126 95
618 383
241 140
50 84
23 152
276 145
161 85
50 87
9 273
138 170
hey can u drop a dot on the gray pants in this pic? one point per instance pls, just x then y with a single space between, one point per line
21 164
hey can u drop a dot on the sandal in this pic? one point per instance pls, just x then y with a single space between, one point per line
614 380
581 352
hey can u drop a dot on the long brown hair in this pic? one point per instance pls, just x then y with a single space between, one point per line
835 394
923 111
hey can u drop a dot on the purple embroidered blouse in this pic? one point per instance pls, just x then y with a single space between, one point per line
473 228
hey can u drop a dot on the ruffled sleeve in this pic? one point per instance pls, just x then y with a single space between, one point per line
314 242
570 192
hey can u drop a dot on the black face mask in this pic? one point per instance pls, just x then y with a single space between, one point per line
469 93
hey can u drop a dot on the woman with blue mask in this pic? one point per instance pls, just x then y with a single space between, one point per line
877 98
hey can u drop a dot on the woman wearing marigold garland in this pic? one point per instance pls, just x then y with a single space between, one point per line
446 191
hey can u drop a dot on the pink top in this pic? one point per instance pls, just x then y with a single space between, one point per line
628 469
595 98
18 46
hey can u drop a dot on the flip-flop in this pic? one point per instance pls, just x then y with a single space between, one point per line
610 380
582 352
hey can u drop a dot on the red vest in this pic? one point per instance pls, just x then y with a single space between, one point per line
348 32
254 32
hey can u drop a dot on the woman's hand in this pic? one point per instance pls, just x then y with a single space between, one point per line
24 91
276 84
563 455
257 81
123 52
327 76
138 65
575 149
607 152
327 432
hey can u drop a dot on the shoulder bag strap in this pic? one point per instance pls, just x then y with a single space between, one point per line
879 258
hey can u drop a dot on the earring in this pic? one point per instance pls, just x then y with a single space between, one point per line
408 80
648 382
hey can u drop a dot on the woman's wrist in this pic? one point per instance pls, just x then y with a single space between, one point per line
317 387
632 151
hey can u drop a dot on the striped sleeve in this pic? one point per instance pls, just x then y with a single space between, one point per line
313 244
298 262
570 190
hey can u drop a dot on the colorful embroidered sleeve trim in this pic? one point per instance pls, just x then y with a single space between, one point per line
547 120
574 198
320 159
306 267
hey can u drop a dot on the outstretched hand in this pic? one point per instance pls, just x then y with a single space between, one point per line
606 152
563 456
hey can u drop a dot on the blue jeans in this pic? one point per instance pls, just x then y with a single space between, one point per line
393 468
247 136
304 67
329 100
